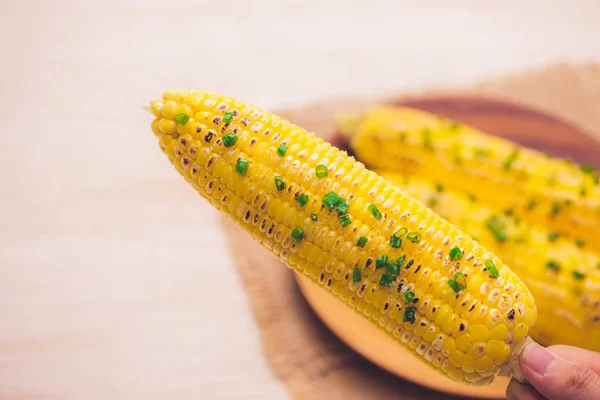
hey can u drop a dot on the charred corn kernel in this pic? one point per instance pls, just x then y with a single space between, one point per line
544 260
406 292
551 192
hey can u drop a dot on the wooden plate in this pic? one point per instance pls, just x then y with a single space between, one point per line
525 126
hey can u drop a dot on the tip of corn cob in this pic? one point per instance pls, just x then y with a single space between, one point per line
326 216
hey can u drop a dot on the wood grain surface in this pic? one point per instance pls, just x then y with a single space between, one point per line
297 342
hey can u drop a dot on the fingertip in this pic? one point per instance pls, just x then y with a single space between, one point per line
521 391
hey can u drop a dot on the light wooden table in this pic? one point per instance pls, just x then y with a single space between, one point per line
115 281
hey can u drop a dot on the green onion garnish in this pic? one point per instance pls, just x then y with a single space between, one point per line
439 187
279 183
583 191
392 269
556 207
342 207
313 217
403 135
587 168
414 237
302 199
241 167
409 296
456 254
361 242
460 277
580 242
497 227
182 119
282 149
331 200
511 159
409 314
228 117
480 153
345 220
553 265
395 241
596 179
427 139
491 267
381 261
553 236
321 171
229 139
386 280
578 275
508 212
473 198
455 286
356 275
297 234
531 204
432 202
375 211
401 260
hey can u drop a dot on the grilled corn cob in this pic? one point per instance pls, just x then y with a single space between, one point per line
549 191
408 271
563 276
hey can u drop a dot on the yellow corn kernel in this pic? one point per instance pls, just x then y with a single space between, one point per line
239 170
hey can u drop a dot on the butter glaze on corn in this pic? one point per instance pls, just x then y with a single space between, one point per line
567 292
466 335
549 191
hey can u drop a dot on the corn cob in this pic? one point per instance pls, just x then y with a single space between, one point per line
551 192
408 271
563 277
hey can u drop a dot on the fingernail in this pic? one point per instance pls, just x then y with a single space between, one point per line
537 358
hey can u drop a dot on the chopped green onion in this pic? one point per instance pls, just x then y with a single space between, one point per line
480 153
182 119
297 234
241 167
409 314
392 269
279 183
587 168
381 261
461 276
228 117
331 200
583 191
473 198
432 202
511 159
598 265
356 275
403 135
414 237
580 242
531 204
386 280
508 212
491 267
342 207
553 265
302 199
456 254
578 275
321 171
553 236
439 187
556 207
282 149
375 211
345 220
497 227
596 179
401 232
229 139
361 242
427 139
409 296
313 217
455 286
395 241
401 260
456 151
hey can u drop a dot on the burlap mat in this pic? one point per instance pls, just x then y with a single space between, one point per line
311 362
